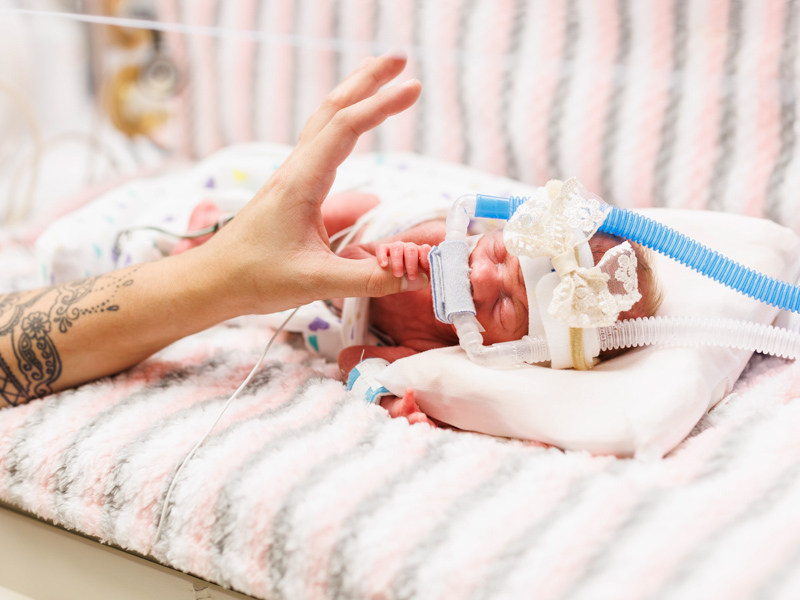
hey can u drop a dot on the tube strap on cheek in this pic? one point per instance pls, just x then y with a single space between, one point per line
450 289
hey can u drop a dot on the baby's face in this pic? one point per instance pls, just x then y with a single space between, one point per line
498 290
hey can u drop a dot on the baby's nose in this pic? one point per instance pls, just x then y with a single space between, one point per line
485 279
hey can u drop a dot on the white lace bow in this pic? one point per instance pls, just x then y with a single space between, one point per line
553 223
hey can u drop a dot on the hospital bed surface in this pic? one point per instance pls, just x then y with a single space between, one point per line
304 492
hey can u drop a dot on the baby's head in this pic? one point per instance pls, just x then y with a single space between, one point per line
498 288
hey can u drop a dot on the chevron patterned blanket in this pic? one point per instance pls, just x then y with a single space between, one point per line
303 491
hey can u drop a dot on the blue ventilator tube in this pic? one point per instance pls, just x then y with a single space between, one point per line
496 207
671 243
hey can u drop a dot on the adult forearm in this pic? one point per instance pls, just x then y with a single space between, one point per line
59 337
274 255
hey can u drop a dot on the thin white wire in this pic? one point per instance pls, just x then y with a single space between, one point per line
95 144
504 61
210 429
340 234
333 238
210 30
13 213
304 41
33 163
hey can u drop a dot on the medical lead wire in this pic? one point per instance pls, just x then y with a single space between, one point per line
192 452
335 237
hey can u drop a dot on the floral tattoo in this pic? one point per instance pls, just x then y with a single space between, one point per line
30 318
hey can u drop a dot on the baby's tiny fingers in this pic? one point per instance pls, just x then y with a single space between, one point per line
396 252
419 417
412 261
382 254
424 250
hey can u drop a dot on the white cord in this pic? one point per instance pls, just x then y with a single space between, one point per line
12 215
96 146
421 53
210 429
339 235
191 453
208 30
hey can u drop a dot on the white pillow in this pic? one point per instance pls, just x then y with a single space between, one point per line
642 403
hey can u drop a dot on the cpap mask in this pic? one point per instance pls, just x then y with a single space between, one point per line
573 305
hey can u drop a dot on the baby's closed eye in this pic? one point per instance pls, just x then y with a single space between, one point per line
507 313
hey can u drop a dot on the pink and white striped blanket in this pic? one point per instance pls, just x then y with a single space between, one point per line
304 492
667 103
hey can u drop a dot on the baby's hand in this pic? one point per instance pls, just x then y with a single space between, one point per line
405 407
406 257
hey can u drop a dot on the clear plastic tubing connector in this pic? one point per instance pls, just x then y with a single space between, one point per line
505 354
671 331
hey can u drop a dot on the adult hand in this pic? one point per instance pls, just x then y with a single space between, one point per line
275 254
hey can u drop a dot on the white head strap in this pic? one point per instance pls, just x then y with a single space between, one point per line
557 222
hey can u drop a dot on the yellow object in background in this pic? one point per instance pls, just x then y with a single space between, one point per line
124 37
130 110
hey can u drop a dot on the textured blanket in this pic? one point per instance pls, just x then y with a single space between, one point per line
304 492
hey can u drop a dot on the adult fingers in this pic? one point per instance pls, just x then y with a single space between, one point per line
336 141
360 84
342 278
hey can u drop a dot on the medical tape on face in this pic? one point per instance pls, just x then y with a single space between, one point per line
569 347
533 269
450 288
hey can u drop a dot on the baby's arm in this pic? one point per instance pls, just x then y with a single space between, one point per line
342 210
405 406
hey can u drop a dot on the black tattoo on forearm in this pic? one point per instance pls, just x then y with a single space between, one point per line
27 320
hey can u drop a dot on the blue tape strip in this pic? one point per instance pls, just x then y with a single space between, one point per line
373 394
351 379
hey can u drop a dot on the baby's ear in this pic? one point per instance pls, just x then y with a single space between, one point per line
350 357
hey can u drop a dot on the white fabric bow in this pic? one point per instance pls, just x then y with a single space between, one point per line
553 223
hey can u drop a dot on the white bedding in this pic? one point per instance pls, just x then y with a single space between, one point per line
304 492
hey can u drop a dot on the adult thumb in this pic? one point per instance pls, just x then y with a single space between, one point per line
365 277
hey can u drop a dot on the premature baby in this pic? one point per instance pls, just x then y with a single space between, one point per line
498 289
497 286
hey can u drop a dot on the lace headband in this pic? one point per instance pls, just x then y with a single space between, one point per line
554 223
